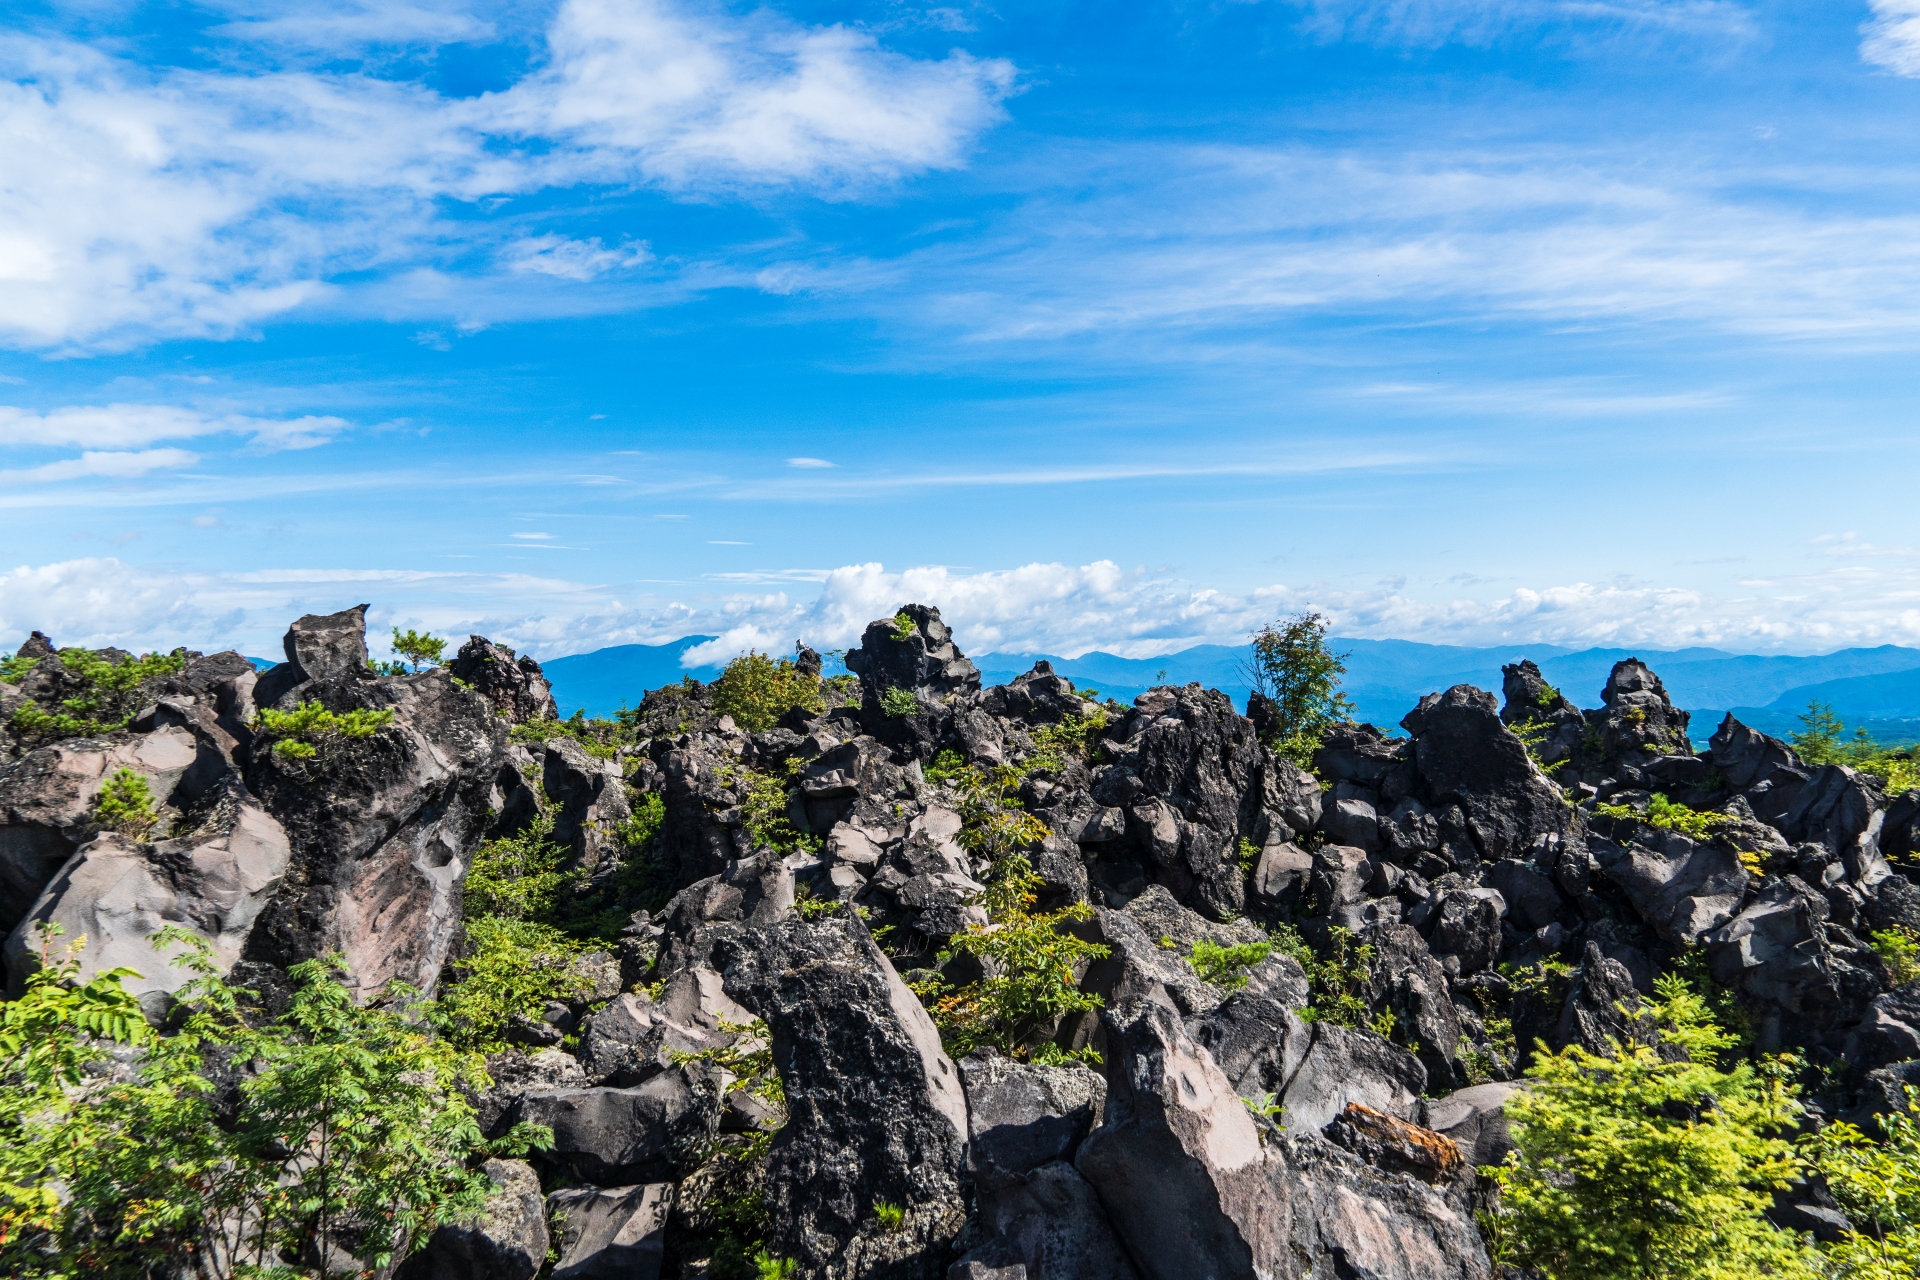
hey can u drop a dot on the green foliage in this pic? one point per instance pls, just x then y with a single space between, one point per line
899 703
1265 1105
1227 966
946 767
107 695
601 739
299 734
517 877
1823 740
891 1217
418 648
1247 854
1071 739
14 669
768 1267
902 626
1531 734
1293 667
1899 949
1650 1164
1878 1185
511 967
1031 963
763 812
1337 980
125 804
1668 816
350 1125
756 691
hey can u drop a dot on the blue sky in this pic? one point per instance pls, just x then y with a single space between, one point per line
1123 326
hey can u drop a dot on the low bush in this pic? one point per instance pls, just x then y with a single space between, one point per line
899 703
125 804
299 734
108 694
1227 966
511 967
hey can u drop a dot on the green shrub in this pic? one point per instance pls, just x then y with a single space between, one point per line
512 967
1823 739
348 1115
108 695
14 669
1292 667
1227 966
1072 739
300 733
1338 981
891 1217
1878 1186
1899 949
517 877
1030 960
756 691
125 804
764 800
1669 816
1649 1164
1531 734
899 703
902 626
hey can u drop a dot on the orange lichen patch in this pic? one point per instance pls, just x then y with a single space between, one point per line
1429 1155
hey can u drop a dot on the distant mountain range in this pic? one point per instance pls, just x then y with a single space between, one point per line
1878 688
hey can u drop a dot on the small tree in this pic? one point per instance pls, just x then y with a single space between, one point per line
1298 678
1649 1163
1878 1184
418 647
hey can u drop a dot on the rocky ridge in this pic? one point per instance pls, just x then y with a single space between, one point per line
804 883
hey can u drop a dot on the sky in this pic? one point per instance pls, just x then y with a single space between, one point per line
1125 326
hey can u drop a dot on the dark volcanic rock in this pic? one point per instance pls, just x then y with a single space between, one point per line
614 1137
618 1233
515 686
381 828
877 1111
1465 756
508 1242
328 647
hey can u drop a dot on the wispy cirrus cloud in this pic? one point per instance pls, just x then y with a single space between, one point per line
1430 23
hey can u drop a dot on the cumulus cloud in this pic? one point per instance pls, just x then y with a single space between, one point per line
1891 39
1035 608
254 189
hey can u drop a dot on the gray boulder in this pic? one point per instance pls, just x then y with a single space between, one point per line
613 1233
382 829
1465 756
47 799
1047 1225
1475 1119
515 686
1682 889
117 893
320 648
508 1241
616 1137
1022 1116
877 1110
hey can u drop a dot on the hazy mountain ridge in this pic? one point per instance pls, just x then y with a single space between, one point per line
1878 687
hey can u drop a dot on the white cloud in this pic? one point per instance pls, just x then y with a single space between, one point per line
814 463
572 259
1430 23
1892 38
1209 238
1053 608
344 29
254 190
112 466
117 426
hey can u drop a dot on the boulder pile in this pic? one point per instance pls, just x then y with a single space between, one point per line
1408 921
